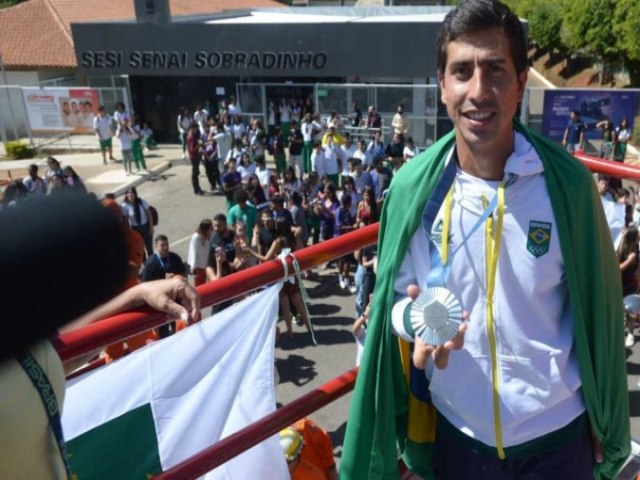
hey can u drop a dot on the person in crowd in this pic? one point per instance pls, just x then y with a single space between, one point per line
328 207
231 181
349 188
400 123
200 118
125 135
266 232
367 211
73 180
195 148
243 211
376 146
299 215
290 292
409 150
264 176
224 237
318 160
307 129
34 184
290 183
348 148
628 258
296 111
102 127
272 119
147 136
236 152
606 147
364 155
516 324
136 145
137 211
257 140
277 143
199 247
53 168
218 267
244 259
211 161
296 145
622 135
233 107
356 115
345 223
121 114
163 264
373 120
184 124
299 469
246 168
56 185
573 138
224 141
255 191
361 178
308 107
279 211
359 329
237 128
332 135
332 162
381 178
285 117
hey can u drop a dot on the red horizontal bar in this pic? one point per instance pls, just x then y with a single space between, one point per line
244 439
120 327
609 167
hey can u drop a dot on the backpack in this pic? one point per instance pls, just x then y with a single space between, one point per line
154 215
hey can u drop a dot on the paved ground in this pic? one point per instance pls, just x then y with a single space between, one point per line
301 366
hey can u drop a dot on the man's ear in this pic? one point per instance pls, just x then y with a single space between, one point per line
443 92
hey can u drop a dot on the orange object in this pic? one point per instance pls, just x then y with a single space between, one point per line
317 447
307 471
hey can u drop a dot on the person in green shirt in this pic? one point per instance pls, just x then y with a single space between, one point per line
243 210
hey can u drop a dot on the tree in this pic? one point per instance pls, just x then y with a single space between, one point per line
589 25
545 23
627 31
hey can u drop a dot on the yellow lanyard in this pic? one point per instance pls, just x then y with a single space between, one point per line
492 242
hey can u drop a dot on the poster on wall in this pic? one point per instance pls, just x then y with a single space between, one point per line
593 106
61 109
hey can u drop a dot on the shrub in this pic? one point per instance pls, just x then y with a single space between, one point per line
636 132
18 150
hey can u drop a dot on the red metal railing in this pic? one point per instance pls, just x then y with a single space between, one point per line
122 326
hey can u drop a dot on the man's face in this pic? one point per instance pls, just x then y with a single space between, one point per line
377 136
65 108
603 186
74 107
219 227
481 89
362 145
162 248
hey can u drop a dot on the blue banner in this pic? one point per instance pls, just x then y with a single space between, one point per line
593 106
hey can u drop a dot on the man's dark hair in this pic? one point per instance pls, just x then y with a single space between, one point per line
475 15
220 217
279 199
240 195
161 238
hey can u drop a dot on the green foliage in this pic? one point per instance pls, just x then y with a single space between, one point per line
545 23
9 3
18 150
589 24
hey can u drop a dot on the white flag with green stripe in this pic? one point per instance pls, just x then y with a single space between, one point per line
158 406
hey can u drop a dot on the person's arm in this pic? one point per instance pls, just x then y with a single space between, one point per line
360 321
582 137
149 219
564 137
628 262
173 296
271 254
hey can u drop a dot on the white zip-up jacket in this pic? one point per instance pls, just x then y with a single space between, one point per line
537 373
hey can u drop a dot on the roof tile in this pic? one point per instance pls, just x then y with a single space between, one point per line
37 34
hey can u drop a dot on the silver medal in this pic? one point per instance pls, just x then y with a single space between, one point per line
436 315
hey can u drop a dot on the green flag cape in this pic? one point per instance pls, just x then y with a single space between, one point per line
378 414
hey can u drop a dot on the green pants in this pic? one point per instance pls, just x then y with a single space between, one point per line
138 156
286 128
281 162
306 156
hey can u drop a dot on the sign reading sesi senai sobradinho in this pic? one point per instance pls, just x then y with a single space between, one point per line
178 60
